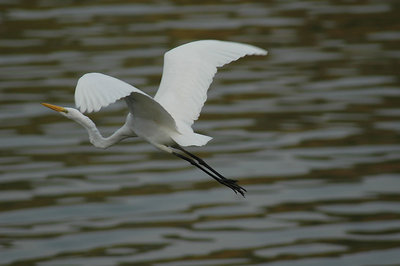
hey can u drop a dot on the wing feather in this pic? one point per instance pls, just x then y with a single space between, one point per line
188 72
96 90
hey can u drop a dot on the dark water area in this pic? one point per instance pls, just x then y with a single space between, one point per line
311 131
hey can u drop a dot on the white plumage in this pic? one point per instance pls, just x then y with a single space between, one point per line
187 74
165 120
96 90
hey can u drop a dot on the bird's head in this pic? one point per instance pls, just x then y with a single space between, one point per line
94 135
70 113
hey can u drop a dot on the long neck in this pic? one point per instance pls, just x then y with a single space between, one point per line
95 136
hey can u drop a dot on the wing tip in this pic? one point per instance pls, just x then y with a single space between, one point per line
262 52
255 50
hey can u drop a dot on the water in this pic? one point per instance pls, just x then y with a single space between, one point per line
311 131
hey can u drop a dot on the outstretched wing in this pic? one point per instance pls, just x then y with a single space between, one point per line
96 90
188 72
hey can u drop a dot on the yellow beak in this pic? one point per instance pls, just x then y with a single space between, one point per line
55 107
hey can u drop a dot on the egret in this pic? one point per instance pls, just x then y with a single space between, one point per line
166 120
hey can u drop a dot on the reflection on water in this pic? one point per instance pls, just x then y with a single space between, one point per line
311 131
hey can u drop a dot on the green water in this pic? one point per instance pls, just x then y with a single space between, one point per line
311 131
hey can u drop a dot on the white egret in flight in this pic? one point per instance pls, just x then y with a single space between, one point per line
165 120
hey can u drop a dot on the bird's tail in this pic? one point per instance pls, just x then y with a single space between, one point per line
192 139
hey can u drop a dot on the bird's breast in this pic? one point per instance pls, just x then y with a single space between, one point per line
152 131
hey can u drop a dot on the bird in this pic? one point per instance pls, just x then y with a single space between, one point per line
165 120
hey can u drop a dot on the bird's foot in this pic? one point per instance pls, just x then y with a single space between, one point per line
232 184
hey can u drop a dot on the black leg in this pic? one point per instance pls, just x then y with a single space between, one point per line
202 162
232 184
193 162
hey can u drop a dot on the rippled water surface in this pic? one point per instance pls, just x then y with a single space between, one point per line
311 131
